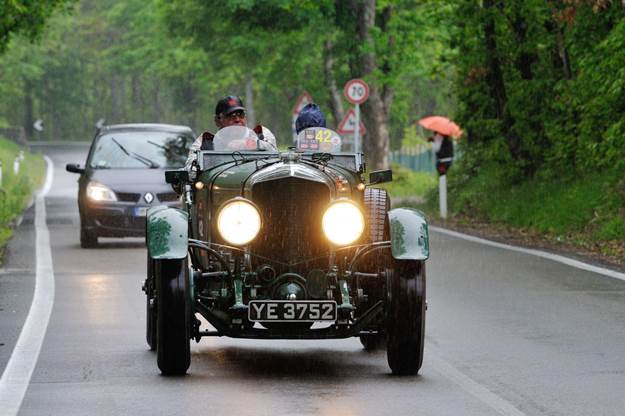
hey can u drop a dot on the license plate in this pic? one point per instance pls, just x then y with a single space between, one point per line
292 311
141 211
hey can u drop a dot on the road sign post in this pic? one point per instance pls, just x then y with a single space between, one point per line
356 91
357 131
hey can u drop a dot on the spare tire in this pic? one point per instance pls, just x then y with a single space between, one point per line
377 205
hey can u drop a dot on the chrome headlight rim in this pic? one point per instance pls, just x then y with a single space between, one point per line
98 192
221 210
341 242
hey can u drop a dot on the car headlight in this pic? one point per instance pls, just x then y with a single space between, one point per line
98 192
343 223
238 221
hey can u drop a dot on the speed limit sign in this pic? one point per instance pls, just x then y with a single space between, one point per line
356 91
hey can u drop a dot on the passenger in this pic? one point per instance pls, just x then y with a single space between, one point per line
228 112
310 116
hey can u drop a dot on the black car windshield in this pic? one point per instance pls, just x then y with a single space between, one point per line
140 150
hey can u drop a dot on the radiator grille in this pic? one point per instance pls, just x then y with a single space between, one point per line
292 210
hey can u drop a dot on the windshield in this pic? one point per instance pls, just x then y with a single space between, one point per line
319 139
239 138
141 150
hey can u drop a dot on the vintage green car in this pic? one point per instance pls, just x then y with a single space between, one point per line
284 245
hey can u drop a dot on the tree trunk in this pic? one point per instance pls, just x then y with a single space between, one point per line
335 101
564 54
496 81
157 109
375 110
115 109
249 100
137 96
28 110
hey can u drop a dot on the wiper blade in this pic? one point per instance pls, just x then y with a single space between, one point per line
150 163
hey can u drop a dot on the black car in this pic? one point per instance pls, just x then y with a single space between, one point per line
284 245
124 176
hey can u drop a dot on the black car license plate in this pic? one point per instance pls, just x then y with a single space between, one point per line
291 311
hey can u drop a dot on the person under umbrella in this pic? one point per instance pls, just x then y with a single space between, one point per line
442 145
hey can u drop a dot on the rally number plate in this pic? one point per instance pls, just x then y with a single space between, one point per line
292 311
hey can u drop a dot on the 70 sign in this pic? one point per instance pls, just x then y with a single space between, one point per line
356 91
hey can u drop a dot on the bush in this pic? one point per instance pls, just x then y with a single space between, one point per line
16 190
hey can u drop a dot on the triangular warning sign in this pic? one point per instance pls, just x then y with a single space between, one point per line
303 99
348 125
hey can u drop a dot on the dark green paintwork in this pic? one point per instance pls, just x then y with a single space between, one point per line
409 234
167 233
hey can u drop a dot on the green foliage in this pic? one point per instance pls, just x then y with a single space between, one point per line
560 205
409 184
16 190
27 17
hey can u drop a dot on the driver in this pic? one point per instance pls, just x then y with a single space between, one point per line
229 111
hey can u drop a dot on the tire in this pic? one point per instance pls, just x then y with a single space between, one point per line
405 316
88 239
377 205
373 342
173 316
150 307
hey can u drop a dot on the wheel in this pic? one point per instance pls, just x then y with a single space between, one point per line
88 239
377 205
150 306
173 316
372 342
405 316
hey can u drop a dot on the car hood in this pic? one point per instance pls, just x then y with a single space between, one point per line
132 180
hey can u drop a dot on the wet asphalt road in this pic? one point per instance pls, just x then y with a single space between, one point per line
507 333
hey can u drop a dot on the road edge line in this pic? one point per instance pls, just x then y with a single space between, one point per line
18 372
539 253
474 388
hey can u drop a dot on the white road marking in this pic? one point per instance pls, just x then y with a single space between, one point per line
19 369
555 257
499 404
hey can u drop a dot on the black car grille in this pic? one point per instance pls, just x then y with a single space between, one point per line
292 210
167 197
127 196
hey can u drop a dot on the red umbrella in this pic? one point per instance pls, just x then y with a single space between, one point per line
441 125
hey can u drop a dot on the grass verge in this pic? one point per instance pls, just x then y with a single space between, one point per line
409 185
16 190
583 211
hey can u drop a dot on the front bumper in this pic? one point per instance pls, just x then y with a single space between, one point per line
118 220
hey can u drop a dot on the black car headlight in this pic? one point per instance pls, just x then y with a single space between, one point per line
100 193
343 222
238 221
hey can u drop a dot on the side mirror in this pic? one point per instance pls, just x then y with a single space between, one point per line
380 176
74 168
176 177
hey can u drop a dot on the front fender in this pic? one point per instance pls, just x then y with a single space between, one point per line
409 234
167 233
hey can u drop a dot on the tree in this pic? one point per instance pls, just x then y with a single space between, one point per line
26 16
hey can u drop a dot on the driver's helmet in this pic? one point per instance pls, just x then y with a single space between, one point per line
319 139
239 138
